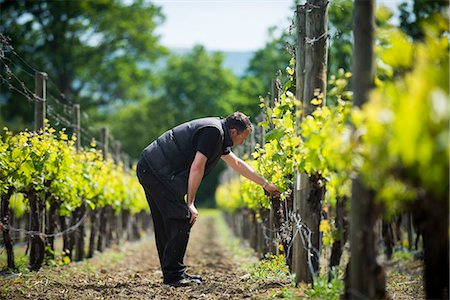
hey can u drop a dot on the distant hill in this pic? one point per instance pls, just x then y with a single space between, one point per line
236 61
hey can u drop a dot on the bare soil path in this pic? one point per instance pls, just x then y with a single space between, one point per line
131 271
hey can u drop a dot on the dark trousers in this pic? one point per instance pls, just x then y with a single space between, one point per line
171 234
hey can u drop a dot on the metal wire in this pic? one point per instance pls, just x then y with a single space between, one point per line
53 235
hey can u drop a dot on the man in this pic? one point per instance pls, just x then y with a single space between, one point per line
171 169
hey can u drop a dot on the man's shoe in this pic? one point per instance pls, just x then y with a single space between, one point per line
184 282
193 277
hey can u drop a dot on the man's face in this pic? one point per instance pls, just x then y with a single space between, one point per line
239 138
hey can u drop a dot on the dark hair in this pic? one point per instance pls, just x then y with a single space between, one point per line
238 121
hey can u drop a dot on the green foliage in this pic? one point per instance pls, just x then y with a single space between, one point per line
341 44
404 126
228 197
285 293
323 145
272 268
95 52
402 255
414 14
398 141
47 165
144 120
323 289
21 263
196 85
263 67
17 204
59 258
326 149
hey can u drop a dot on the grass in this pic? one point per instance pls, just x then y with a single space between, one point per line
241 252
272 268
270 274
324 289
402 256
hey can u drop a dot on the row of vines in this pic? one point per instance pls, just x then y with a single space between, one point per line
61 200
49 189
397 144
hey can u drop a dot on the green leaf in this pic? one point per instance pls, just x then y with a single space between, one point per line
16 153
274 134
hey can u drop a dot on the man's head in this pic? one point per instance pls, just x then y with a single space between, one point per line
240 127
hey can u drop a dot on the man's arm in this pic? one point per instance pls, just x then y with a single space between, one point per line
247 171
196 173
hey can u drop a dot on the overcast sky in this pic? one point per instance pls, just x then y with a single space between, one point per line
226 25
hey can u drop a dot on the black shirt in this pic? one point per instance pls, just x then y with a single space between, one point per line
207 139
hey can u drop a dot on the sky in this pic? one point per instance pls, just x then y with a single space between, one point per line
225 25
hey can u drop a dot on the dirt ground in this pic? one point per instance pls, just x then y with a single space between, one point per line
131 271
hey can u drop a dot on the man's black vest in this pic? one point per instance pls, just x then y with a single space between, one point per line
171 155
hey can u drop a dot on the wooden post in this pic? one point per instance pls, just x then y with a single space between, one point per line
297 262
311 69
104 137
5 219
76 128
300 60
316 53
264 235
276 85
253 228
36 242
109 220
81 232
274 217
117 146
366 278
39 106
251 143
37 245
126 162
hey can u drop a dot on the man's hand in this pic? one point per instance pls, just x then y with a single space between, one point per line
272 189
194 213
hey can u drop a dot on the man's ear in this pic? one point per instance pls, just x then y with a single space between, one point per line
233 131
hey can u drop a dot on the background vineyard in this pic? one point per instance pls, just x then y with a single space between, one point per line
52 187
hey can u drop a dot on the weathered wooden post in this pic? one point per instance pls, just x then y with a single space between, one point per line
77 125
276 214
5 219
297 259
36 243
117 147
39 116
102 222
40 100
80 232
308 192
104 138
366 276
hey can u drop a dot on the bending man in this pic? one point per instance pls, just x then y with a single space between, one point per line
171 169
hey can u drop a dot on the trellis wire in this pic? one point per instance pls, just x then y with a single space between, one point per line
33 233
